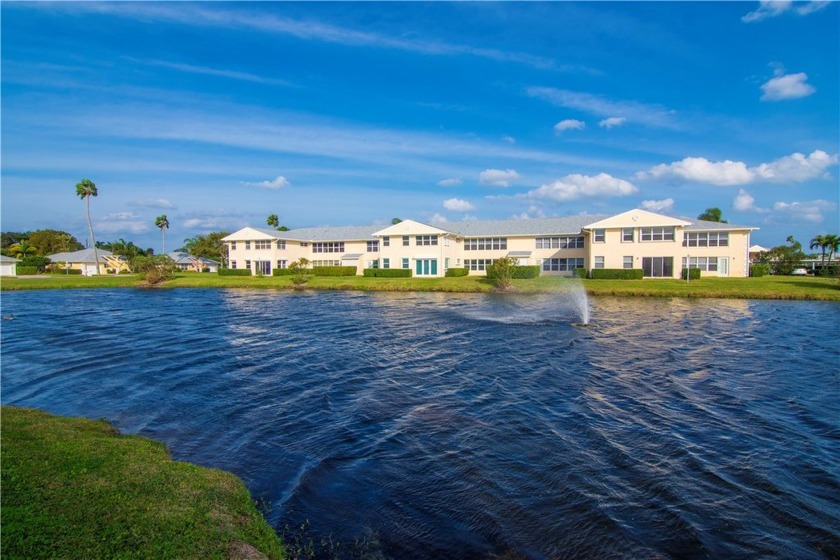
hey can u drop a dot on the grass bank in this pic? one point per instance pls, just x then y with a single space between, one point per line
767 287
76 488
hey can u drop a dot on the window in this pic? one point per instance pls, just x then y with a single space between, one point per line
600 235
326 263
477 264
658 267
328 247
405 263
282 264
628 262
304 244
233 245
627 235
561 265
373 246
247 245
657 234
374 263
485 243
599 262
281 244
386 263
703 263
575 242
405 240
233 264
706 239
426 240
262 244
386 241
248 265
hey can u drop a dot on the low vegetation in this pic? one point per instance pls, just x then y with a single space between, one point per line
766 287
76 488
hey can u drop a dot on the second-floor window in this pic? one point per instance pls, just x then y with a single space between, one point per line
657 233
706 239
373 246
485 243
627 235
233 245
600 235
247 245
386 241
328 247
262 244
426 240
281 243
567 242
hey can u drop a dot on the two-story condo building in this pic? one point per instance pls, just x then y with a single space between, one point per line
659 245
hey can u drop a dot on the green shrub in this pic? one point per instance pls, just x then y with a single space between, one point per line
694 273
616 274
39 263
334 270
65 271
828 270
234 272
26 270
580 272
456 272
759 270
388 272
282 272
516 272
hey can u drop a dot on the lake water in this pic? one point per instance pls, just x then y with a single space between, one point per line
465 426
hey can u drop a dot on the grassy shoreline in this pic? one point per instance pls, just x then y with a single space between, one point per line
767 287
76 488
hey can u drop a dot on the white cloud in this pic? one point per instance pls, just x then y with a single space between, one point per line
437 219
451 182
533 211
123 222
787 86
811 211
569 124
458 205
498 177
572 187
232 74
664 205
643 113
795 168
509 139
277 183
771 8
153 203
611 122
743 202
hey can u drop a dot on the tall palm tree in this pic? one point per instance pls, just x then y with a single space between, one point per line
84 190
273 221
819 241
832 242
163 224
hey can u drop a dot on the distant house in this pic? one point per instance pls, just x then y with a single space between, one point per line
8 266
755 252
185 261
84 260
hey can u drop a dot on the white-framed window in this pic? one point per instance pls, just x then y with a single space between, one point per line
563 242
485 244
281 244
304 244
282 264
233 245
600 235
709 264
405 263
628 262
386 263
262 244
657 233
386 241
599 262
627 235
477 264
233 264
247 245
374 263
328 247
561 265
405 240
326 263
248 265
706 239
373 246
425 240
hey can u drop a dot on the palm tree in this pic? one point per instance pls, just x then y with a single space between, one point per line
21 249
832 243
712 215
163 224
84 190
819 241
273 221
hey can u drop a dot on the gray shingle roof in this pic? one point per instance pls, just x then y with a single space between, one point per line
184 258
83 256
700 225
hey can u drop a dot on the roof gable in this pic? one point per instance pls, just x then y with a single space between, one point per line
637 218
410 227
250 234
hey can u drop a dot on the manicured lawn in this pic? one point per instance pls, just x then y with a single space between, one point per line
75 488
767 287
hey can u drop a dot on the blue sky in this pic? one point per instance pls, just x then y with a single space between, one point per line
218 114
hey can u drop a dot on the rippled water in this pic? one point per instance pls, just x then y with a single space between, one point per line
462 426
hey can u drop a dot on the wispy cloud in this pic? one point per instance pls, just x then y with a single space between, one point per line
274 184
207 70
810 211
123 222
458 205
643 113
772 8
787 86
573 187
664 205
451 182
612 122
498 177
795 168
569 124
153 203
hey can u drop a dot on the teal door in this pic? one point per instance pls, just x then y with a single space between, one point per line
425 267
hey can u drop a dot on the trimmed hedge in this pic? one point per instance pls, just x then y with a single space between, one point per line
828 270
68 271
456 272
282 272
26 270
518 272
694 273
616 274
580 272
234 272
388 272
759 270
334 270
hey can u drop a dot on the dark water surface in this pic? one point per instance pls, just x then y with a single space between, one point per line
462 426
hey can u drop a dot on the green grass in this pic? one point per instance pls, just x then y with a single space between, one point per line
76 488
767 287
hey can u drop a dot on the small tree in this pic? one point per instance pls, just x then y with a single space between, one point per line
712 215
300 273
501 272
395 221
154 270
273 221
785 258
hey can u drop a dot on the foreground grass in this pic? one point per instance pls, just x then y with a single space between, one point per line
76 488
767 287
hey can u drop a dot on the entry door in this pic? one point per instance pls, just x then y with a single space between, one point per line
425 267
263 267
723 266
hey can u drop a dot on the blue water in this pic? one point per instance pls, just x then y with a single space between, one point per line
467 426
